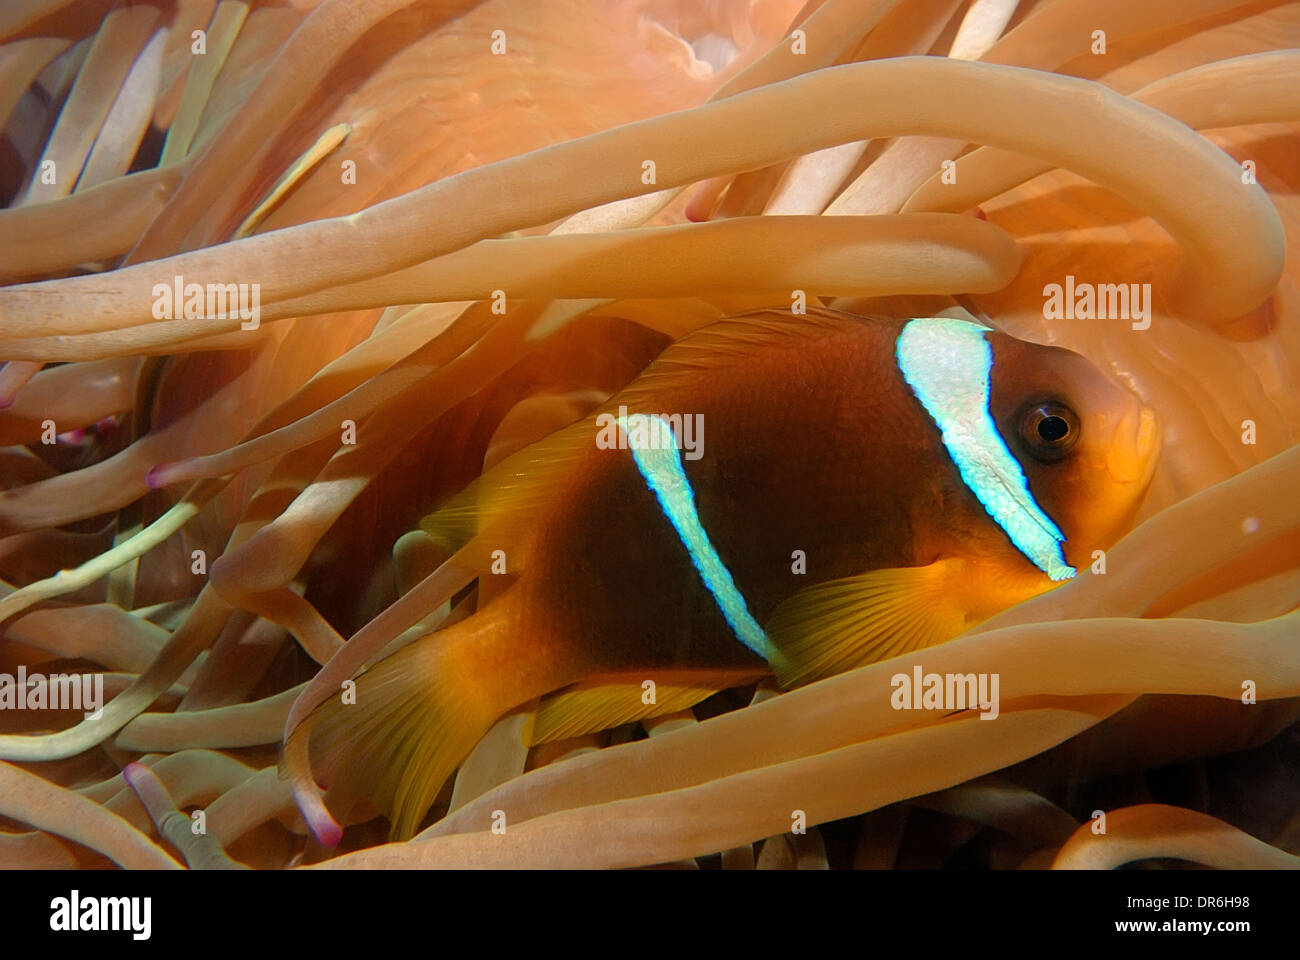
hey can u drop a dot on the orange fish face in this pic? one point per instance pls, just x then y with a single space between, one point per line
1088 446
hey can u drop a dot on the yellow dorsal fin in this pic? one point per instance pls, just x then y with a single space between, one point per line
842 624
505 501
503 504
600 703
726 341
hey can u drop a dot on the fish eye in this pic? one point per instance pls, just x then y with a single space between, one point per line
1049 430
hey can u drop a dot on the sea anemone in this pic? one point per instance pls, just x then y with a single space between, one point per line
468 224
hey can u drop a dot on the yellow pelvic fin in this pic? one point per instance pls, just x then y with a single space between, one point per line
600 703
842 624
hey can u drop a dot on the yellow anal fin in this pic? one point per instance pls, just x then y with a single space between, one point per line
600 703
842 624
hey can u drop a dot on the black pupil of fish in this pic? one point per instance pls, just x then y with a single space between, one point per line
1052 429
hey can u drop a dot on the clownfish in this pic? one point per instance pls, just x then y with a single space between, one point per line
775 494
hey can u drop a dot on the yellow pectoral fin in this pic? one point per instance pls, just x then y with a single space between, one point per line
836 626
600 703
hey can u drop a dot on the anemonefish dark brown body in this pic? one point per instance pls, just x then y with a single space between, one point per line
791 494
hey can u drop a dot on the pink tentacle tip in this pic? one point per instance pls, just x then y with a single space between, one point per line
322 825
133 771
156 478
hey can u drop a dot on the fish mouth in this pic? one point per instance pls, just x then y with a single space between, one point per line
1132 458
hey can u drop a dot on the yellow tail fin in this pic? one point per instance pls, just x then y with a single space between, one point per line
413 717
